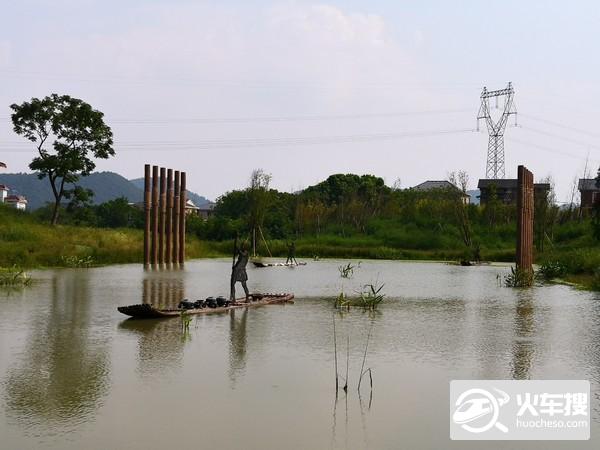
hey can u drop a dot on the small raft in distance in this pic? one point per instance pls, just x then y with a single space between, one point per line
147 311
262 264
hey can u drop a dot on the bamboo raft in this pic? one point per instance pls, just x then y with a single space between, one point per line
147 311
260 264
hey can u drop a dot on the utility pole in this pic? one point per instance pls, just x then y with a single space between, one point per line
495 153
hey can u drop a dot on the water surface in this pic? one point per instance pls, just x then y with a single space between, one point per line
74 373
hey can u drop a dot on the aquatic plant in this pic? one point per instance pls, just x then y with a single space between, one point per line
369 298
77 262
518 278
186 319
551 269
362 367
346 271
371 295
14 277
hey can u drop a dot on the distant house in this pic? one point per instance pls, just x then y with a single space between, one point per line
207 210
3 192
190 208
432 185
506 190
16 201
590 193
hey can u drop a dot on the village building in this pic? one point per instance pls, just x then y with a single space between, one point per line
590 192
16 201
3 192
434 185
207 210
506 190
191 208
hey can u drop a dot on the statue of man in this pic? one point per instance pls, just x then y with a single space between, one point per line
291 259
238 271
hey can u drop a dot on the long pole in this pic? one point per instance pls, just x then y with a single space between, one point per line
176 218
154 215
147 200
163 210
182 202
169 218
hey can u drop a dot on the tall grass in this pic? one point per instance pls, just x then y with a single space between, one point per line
27 243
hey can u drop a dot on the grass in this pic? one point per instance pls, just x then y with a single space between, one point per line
26 243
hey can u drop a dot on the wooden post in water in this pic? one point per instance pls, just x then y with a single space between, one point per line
525 208
169 219
176 218
182 202
147 200
154 215
163 211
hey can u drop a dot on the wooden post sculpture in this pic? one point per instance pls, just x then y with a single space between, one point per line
164 216
163 211
147 201
182 202
176 218
525 208
169 218
154 215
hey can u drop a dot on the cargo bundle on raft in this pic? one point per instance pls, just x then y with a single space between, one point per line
147 311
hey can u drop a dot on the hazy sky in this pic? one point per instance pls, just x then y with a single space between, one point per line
305 89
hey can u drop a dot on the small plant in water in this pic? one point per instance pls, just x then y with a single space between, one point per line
186 319
14 277
346 271
369 298
551 269
518 278
76 262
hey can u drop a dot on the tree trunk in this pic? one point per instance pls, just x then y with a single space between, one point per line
54 220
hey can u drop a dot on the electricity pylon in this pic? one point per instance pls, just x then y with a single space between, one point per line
495 154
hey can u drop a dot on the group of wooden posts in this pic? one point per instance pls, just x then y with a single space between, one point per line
164 216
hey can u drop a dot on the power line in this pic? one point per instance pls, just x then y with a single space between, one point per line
560 125
207 144
558 136
207 120
545 148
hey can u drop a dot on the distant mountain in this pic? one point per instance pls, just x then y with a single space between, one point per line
197 199
105 185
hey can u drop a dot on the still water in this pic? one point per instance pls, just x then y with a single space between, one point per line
76 374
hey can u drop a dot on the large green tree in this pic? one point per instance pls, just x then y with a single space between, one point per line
67 133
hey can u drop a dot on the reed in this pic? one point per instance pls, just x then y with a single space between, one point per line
14 277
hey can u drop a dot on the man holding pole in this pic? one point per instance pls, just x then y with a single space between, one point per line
238 269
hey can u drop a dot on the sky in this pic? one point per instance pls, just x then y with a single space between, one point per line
306 89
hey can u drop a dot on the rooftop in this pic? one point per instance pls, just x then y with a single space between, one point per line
430 185
507 183
588 184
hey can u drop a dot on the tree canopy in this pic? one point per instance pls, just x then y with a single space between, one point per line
67 133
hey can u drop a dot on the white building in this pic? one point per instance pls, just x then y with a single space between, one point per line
16 201
3 192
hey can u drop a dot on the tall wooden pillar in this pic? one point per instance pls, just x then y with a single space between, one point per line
525 208
147 206
163 210
176 218
154 220
169 219
182 202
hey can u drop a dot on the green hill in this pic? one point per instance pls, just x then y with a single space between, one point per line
105 185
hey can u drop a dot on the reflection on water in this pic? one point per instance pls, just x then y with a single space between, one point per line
76 374
237 343
160 342
62 374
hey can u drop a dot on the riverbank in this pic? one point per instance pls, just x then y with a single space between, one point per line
27 243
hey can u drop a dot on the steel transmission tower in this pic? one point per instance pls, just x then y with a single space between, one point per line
495 153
